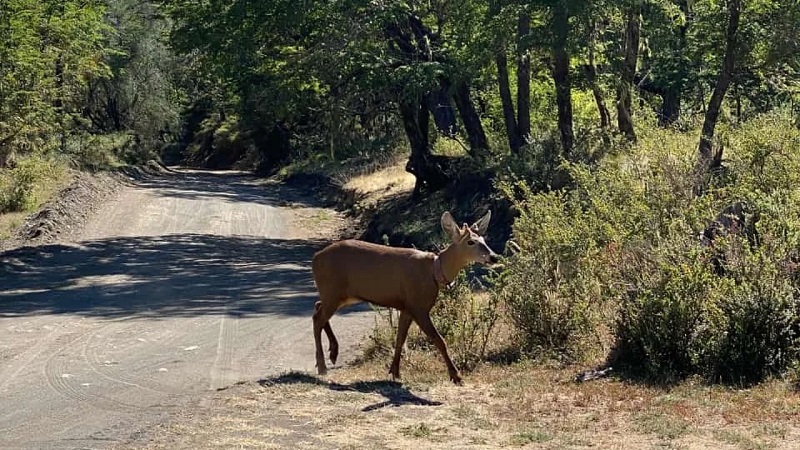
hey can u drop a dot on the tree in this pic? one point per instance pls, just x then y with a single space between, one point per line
49 50
708 159
517 123
590 70
141 95
633 13
561 73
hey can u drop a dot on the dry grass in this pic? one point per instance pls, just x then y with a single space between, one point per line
387 181
521 405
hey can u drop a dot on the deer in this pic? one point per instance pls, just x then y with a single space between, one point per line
405 279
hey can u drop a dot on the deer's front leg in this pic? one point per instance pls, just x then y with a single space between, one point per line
425 324
402 333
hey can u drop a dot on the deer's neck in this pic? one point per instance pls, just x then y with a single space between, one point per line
451 264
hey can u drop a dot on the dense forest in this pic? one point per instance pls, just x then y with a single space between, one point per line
618 130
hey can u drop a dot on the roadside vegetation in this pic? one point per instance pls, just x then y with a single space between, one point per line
84 85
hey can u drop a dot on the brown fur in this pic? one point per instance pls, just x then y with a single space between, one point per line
350 271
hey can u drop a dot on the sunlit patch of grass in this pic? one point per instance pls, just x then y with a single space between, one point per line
44 179
662 425
385 181
530 437
740 440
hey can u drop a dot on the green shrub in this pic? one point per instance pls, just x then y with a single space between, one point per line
552 288
664 322
760 316
553 315
763 154
18 185
619 249
100 151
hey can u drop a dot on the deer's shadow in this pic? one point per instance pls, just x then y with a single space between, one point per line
395 393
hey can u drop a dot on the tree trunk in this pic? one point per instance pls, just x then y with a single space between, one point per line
430 176
443 115
671 106
591 78
707 156
472 122
514 141
561 75
523 79
632 33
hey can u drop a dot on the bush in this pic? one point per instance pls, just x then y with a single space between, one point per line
100 151
552 288
664 325
18 185
553 315
620 249
760 318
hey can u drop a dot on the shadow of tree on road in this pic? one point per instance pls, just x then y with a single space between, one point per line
161 276
395 393
228 187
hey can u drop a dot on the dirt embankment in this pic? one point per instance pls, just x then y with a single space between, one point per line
70 208
380 201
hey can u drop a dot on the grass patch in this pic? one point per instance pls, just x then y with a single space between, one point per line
740 440
26 187
662 425
424 431
608 413
530 437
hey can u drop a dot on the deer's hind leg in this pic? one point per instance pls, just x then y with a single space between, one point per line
323 310
333 343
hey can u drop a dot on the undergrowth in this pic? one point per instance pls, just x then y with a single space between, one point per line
619 259
622 249
28 183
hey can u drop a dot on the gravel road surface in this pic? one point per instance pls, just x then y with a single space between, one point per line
179 285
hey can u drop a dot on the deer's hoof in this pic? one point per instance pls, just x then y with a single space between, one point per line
456 379
334 354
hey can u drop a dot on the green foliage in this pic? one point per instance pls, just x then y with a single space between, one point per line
619 250
763 155
663 329
48 51
552 288
141 93
18 186
759 330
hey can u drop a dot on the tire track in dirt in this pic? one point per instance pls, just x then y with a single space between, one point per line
223 370
13 368
91 357
180 283
57 375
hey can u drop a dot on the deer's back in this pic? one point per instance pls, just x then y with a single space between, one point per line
372 272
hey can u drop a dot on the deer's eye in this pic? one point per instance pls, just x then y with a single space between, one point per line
470 242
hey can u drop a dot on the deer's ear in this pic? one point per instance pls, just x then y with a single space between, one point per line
482 224
449 226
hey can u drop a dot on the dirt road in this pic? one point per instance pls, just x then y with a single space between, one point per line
180 285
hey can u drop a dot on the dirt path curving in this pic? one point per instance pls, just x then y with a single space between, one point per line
179 285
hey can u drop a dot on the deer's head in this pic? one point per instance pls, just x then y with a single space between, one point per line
468 244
